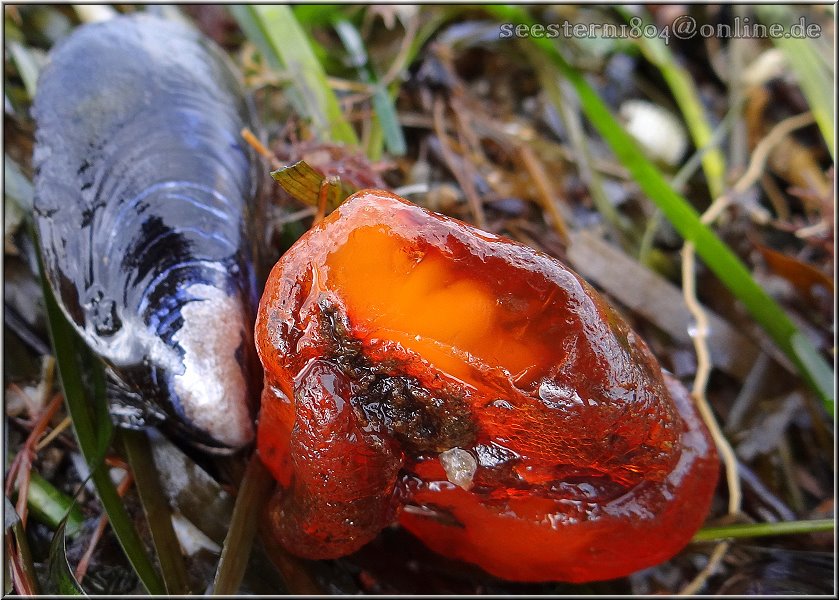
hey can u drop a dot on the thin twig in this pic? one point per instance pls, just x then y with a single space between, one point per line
757 164
748 393
81 568
700 342
296 216
466 184
751 176
544 190
776 197
466 134
254 143
54 433
764 148
254 491
323 195
713 562
19 472
767 496
700 382
348 85
787 470
20 562
817 229
401 56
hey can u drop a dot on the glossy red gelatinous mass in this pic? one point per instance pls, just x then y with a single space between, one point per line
479 392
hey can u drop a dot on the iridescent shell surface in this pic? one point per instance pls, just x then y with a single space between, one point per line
144 187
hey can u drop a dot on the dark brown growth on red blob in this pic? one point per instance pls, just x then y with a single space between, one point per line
480 392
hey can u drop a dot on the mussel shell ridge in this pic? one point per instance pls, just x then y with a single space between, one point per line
143 191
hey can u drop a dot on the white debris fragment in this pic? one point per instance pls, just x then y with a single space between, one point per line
190 537
460 466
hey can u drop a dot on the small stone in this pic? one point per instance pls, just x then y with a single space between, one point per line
460 467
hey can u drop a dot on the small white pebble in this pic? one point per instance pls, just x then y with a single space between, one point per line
658 131
460 467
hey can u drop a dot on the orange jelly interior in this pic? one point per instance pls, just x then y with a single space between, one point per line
416 295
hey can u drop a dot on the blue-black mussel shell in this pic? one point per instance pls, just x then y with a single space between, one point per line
144 203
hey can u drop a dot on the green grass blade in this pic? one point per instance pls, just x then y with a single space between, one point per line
816 77
751 530
657 52
385 112
93 433
249 24
320 15
276 32
60 574
685 219
158 513
51 506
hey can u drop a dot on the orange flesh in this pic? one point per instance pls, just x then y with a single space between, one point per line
390 334
418 298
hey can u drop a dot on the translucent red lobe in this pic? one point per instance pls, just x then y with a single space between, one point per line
404 351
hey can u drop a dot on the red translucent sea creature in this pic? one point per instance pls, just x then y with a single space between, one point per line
479 392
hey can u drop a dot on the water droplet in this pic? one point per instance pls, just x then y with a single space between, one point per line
558 396
695 330
501 403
